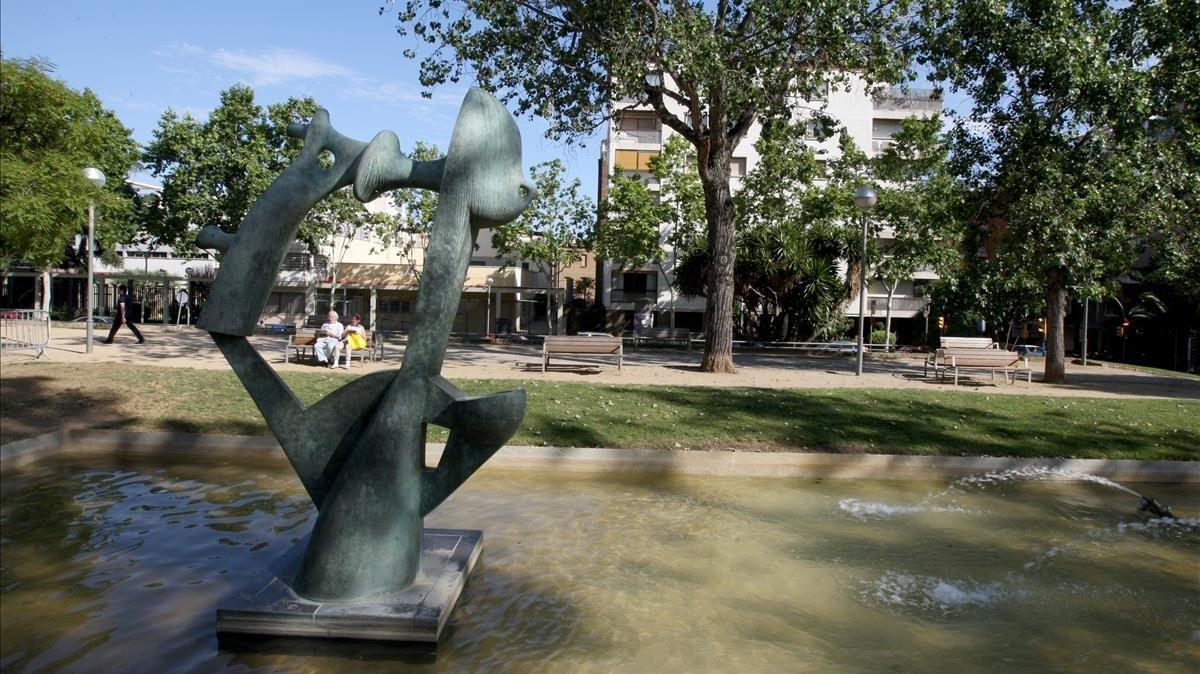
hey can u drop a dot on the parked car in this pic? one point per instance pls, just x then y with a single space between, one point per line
1031 351
96 320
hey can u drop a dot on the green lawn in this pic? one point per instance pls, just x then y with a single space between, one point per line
1147 369
35 398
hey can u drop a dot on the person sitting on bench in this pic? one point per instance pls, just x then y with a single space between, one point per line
329 346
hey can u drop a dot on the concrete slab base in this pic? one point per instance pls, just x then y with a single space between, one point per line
269 606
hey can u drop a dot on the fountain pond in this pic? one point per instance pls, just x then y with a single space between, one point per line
119 566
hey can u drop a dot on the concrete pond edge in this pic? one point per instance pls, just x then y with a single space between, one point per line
725 463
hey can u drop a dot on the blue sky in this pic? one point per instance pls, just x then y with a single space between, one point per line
143 57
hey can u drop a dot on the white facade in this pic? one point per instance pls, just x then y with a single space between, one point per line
636 134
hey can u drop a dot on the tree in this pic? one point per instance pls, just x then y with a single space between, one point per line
788 243
1055 139
638 226
213 171
551 233
788 252
921 202
709 72
50 134
417 209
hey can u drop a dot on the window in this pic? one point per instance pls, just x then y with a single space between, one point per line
818 129
295 262
637 122
285 303
884 128
393 305
635 160
737 167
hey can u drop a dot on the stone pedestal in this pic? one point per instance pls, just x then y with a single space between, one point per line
268 606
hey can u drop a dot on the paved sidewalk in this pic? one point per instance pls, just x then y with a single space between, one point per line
189 347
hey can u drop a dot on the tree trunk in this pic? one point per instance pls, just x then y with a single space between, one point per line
1056 314
718 309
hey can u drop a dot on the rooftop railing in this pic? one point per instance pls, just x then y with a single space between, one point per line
913 99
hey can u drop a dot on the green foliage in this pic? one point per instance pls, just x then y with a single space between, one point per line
1056 144
788 251
50 134
881 336
585 288
636 222
708 70
567 62
417 207
627 231
552 233
213 171
920 200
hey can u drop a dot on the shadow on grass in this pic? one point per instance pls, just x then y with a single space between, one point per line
855 420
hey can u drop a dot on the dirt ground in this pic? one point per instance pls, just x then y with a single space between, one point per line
188 347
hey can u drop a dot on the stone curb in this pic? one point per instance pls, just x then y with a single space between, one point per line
22 453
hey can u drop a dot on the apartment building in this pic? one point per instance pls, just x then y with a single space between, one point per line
635 135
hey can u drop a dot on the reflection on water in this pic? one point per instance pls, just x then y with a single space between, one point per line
121 569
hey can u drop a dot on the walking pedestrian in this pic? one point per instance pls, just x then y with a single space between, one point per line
124 316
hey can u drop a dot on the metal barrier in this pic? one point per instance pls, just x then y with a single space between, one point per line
24 329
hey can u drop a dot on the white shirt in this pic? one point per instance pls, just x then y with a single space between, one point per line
333 330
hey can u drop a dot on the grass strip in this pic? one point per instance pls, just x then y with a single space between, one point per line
36 398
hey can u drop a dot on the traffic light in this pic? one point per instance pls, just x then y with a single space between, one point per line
941 323
1042 325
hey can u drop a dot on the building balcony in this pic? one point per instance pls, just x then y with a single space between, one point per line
638 136
634 295
902 307
879 145
914 100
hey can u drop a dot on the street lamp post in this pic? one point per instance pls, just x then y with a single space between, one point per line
487 327
97 177
864 198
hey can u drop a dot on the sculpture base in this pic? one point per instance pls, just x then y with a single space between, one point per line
269 606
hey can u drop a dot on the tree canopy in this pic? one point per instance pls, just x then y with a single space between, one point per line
213 171
1055 146
708 71
50 134
552 233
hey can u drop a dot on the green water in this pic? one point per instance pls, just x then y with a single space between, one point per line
119 568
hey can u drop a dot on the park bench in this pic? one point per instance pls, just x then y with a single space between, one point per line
302 347
967 344
590 346
986 359
299 345
662 335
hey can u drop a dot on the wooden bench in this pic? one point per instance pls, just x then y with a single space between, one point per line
299 345
303 347
591 346
986 359
662 335
966 344
373 351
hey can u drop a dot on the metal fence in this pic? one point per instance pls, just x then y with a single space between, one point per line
24 329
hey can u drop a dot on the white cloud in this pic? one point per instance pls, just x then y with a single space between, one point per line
274 66
259 67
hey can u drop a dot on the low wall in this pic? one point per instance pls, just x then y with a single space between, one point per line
258 449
